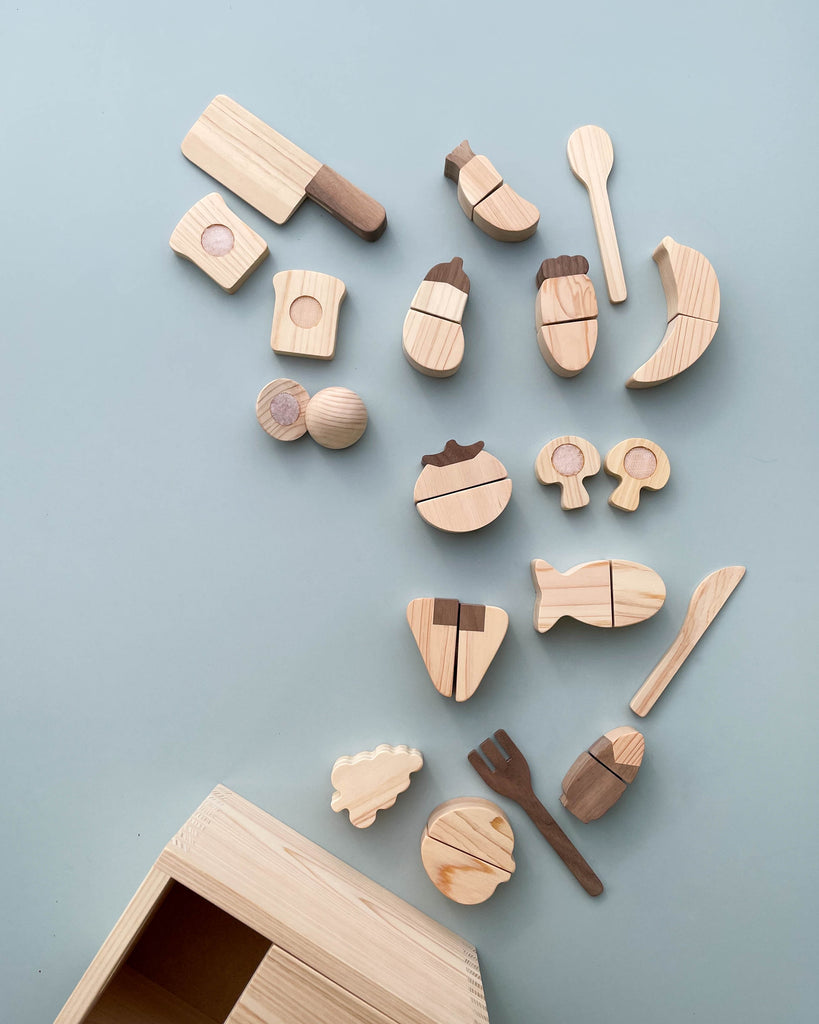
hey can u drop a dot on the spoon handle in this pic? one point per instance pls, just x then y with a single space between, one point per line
607 241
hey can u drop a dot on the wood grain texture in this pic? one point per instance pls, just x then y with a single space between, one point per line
626 496
450 273
590 789
371 781
637 592
336 417
458 642
467 510
487 200
286 991
572 492
507 773
582 593
234 267
460 876
567 348
684 341
432 345
250 158
565 314
341 925
506 216
591 157
281 406
271 173
347 203
689 281
477 826
437 640
313 335
705 604
462 488
693 300
608 593
621 750
323 912
112 956
466 849
440 299
477 647
560 299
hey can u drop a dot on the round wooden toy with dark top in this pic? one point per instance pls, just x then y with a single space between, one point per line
461 488
598 778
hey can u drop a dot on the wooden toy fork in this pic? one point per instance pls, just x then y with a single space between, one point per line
510 777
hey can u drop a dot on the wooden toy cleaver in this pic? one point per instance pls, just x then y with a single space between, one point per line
273 175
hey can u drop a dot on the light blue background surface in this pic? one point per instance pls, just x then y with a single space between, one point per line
184 601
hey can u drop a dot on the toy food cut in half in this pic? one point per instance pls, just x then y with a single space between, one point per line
487 200
692 294
461 488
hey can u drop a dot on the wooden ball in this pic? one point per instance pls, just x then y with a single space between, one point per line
281 408
336 417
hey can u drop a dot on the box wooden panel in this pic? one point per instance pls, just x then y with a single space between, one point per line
241 916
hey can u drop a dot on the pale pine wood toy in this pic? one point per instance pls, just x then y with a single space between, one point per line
466 849
704 606
508 774
692 296
484 197
608 593
566 314
336 417
597 779
281 408
244 921
271 173
591 158
305 317
370 782
457 641
433 338
461 488
568 461
638 464
218 242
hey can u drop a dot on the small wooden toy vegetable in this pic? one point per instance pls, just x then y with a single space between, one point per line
461 488
597 779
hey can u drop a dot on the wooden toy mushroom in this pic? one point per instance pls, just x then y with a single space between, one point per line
568 461
638 464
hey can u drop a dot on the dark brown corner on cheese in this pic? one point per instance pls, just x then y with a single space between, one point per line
452 453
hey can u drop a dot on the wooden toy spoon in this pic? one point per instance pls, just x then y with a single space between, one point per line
706 602
591 158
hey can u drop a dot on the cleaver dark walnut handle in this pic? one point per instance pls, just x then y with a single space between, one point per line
354 208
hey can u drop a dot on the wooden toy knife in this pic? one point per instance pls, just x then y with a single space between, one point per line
271 173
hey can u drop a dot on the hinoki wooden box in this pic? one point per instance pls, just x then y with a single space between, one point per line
244 921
